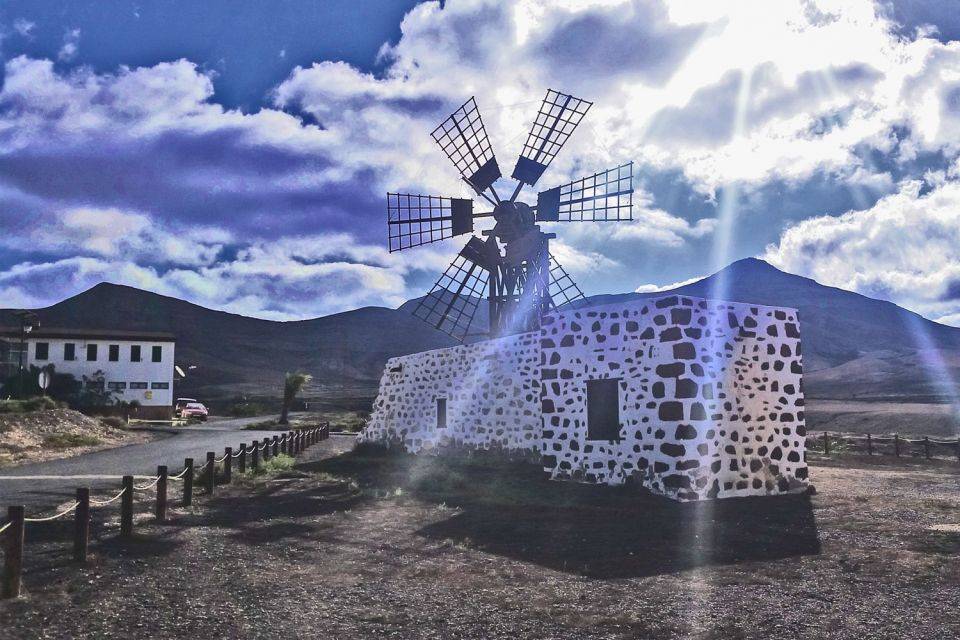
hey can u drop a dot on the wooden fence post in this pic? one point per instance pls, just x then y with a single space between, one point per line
126 508
255 456
161 511
242 460
81 525
869 445
266 449
826 443
211 476
188 482
228 465
926 446
276 446
285 445
896 445
13 557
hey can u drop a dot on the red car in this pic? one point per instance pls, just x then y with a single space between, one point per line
194 411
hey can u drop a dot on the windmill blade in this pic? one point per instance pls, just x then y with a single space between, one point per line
603 197
464 139
452 303
563 290
559 115
414 220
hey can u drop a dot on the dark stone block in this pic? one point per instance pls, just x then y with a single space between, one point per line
686 465
671 370
755 465
671 411
686 388
660 467
667 302
670 334
793 456
680 316
791 330
697 412
549 462
685 432
673 450
684 351
658 390
677 481
647 334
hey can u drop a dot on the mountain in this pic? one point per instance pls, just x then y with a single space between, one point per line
236 355
854 346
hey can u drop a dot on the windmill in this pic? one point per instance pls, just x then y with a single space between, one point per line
512 267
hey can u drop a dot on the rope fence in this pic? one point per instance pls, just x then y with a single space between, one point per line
12 532
102 503
831 443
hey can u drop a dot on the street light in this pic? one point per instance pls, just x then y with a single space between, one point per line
28 320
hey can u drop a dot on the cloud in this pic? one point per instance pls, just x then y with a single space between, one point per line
71 45
905 249
24 27
141 171
656 288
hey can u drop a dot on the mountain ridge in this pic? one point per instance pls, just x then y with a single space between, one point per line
873 342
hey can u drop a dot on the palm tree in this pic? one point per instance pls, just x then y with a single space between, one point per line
292 385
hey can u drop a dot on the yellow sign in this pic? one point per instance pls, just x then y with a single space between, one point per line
148 395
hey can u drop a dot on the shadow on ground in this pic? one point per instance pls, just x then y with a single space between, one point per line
511 509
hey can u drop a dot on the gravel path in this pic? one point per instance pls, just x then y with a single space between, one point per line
375 556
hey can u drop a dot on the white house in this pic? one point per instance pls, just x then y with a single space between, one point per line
691 398
137 365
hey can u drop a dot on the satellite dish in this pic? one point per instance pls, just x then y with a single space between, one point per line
43 380
513 266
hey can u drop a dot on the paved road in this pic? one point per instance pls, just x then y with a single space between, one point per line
44 484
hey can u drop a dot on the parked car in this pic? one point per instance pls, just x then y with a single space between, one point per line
180 404
194 411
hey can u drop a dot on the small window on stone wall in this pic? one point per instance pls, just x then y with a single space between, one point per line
603 409
441 413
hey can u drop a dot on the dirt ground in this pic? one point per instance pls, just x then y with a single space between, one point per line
365 545
879 417
49 434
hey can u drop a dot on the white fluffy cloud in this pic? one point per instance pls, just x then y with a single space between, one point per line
906 249
141 176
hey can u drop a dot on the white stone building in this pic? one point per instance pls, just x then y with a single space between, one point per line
690 398
136 365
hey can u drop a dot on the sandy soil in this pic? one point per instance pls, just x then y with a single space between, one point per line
905 418
57 433
367 546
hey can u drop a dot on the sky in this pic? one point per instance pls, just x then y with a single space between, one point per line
237 155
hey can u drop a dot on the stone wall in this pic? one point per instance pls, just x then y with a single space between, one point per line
710 395
492 392
711 400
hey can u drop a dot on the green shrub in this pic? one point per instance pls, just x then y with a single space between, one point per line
271 467
38 403
69 440
246 409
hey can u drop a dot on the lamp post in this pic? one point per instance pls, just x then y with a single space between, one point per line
28 320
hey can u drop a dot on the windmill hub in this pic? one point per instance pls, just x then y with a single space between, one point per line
514 219
513 268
